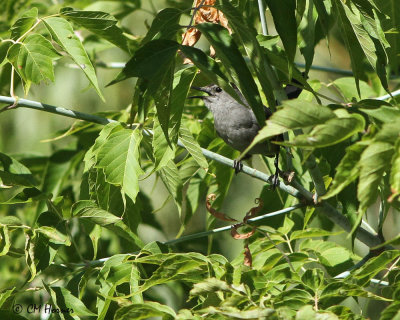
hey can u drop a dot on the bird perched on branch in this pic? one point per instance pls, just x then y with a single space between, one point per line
237 125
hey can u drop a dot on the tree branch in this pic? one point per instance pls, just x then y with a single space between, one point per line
295 189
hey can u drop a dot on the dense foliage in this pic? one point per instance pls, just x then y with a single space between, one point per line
73 223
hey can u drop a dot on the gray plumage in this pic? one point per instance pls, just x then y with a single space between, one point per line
234 122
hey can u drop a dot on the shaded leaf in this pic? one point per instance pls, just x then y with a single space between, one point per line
373 162
62 33
100 23
227 50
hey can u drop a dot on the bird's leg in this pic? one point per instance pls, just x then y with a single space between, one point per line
275 179
238 165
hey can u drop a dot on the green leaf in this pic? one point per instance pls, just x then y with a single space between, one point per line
358 42
192 147
62 33
293 115
119 158
4 46
154 62
208 68
248 37
65 300
349 91
162 151
348 169
227 50
119 9
287 27
33 59
313 278
149 309
381 110
391 27
375 265
148 60
88 210
11 315
24 23
307 32
374 161
331 132
191 267
12 172
312 232
395 171
182 81
100 23
54 235
164 26
5 242
170 176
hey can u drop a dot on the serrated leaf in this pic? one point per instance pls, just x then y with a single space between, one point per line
312 232
100 23
350 39
373 162
331 132
248 36
119 158
147 310
347 170
154 62
147 61
307 32
209 68
348 89
14 173
182 81
33 59
62 33
375 265
88 210
170 176
164 26
391 27
293 115
5 242
227 50
395 171
286 26
192 147
162 151
54 235
65 300
24 23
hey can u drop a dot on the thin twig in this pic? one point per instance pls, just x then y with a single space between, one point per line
199 234
261 9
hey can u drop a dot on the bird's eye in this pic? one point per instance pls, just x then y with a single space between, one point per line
218 89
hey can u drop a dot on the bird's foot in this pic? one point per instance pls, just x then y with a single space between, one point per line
275 177
237 165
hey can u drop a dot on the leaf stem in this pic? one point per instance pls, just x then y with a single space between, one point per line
30 29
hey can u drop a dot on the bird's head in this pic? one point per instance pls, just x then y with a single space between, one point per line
216 97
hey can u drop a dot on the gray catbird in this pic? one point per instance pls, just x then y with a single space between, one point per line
236 123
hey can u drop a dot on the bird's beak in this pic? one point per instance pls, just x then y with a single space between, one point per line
202 89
